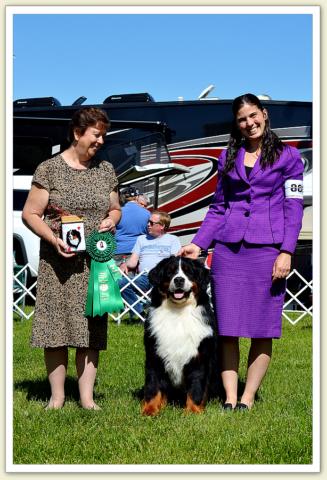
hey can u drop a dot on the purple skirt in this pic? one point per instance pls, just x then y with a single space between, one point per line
247 303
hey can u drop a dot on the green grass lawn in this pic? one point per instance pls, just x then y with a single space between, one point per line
278 430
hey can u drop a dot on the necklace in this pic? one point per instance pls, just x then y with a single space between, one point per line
74 161
78 165
253 157
256 153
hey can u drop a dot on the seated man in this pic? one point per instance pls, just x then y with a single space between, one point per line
148 251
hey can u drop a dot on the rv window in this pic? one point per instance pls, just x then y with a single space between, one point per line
132 147
29 152
125 151
19 199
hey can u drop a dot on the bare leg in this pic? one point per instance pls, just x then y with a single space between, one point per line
56 360
258 362
230 357
86 367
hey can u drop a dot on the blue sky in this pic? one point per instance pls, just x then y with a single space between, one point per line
167 55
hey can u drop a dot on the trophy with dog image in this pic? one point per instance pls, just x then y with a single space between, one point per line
72 228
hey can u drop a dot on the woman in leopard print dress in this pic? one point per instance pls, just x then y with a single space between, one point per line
74 183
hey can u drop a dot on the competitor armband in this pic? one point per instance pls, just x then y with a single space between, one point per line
294 188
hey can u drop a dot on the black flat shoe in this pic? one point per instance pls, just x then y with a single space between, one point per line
228 406
242 406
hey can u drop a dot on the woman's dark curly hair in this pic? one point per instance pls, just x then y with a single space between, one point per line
271 145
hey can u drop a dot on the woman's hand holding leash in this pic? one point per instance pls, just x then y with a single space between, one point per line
282 266
191 251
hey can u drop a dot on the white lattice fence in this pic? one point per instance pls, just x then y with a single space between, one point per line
295 300
143 298
21 292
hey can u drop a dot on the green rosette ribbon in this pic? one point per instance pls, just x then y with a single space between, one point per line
103 294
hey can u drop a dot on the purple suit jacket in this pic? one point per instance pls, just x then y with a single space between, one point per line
260 209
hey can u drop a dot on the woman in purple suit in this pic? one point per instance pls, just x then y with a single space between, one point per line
253 223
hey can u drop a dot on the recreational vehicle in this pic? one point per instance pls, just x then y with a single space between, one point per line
168 149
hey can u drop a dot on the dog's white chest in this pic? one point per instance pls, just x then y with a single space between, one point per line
178 333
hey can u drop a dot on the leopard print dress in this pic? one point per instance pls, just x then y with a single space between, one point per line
62 282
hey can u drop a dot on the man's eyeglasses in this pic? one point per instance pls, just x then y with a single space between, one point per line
153 223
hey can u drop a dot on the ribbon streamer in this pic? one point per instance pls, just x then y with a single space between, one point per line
103 294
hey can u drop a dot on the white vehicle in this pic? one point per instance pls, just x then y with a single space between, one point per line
25 243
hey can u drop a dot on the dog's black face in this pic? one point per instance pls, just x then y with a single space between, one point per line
176 278
73 238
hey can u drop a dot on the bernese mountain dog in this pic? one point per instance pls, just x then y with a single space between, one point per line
179 337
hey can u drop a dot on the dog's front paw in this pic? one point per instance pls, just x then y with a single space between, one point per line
153 406
193 407
149 410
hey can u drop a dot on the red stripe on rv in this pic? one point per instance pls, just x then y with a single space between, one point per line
203 190
299 143
210 152
191 162
184 226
